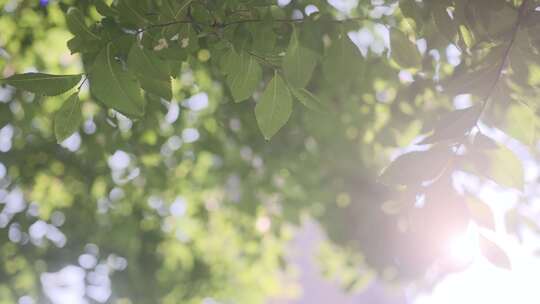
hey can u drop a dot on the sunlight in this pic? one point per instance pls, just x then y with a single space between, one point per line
464 248
482 282
269 151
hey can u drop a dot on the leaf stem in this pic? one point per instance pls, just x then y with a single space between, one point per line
82 83
263 59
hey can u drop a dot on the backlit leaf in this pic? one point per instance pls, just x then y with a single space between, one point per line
103 9
506 168
444 23
133 12
68 118
521 123
143 61
481 213
76 25
453 125
244 75
152 71
159 87
500 165
114 86
309 100
274 108
477 82
484 143
264 38
342 61
494 254
228 60
298 63
416 167
45 84
404 51
465 38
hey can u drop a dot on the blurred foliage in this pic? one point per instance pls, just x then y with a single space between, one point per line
186 139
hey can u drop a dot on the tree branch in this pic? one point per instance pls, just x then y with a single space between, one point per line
305 20
223 25
506 54
487 98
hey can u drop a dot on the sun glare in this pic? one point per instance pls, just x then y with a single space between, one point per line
482 282
464 248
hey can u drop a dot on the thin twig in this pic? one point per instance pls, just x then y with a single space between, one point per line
506 55
304 20
487 98
82 83
158 25
223 25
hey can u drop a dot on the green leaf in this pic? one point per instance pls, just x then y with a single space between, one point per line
228 60
500 21
244 75
506 168
453 125
76 45
483 142
114 86
342 61
274 108
522 55
466 38
411 9
298 63
494 254
477 82
133 12
187 36
481 213
200 14
104 10
264 37
152 71
500 165
444 23
240 37
404 51
311 35
521 123
161 88
146 62
68 118
174 10
309 100
416 167
173 53
77 26
45 84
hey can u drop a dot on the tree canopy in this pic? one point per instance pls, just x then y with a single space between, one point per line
176 144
